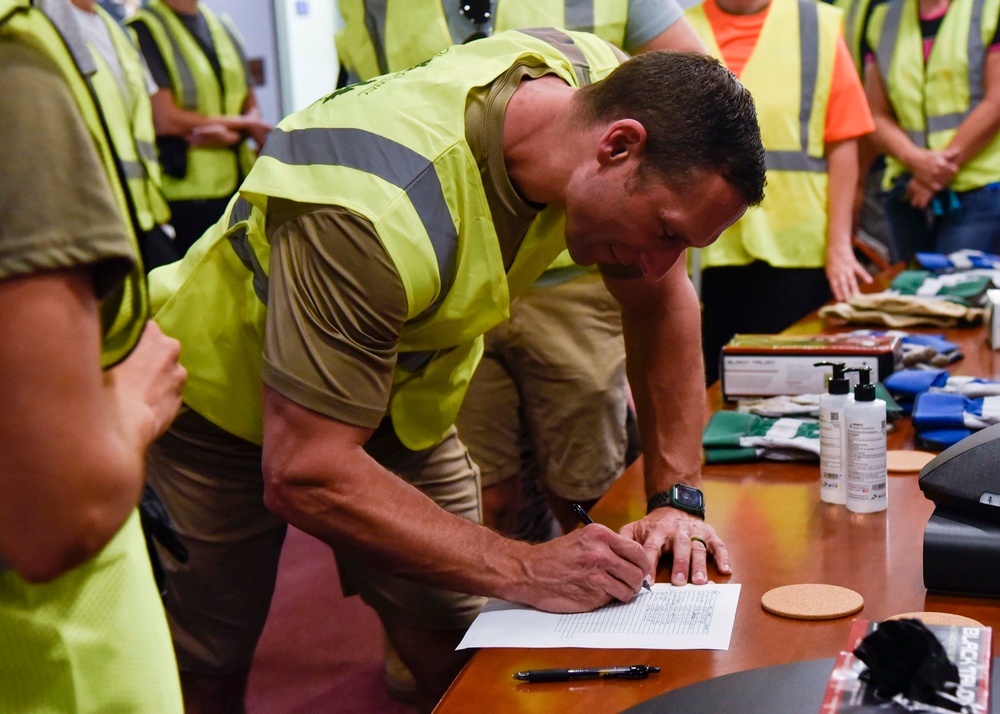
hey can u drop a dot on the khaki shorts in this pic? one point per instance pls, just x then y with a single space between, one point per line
217 602
552 382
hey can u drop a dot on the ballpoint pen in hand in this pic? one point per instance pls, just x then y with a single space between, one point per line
586 520
635 671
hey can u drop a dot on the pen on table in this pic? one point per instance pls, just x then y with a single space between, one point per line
635 671
586 520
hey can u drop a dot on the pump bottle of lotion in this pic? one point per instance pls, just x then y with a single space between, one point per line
867 479
833 436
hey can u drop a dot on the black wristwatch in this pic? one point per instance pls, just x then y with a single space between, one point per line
680 496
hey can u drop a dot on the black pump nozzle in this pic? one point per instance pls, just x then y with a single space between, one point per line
865 391
838 382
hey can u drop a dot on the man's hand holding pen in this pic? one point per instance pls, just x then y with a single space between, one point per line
581 571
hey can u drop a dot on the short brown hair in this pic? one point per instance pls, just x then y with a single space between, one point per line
697 115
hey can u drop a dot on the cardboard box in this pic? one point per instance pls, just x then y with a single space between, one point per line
772 365
969 648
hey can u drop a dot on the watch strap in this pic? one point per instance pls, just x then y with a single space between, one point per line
658 500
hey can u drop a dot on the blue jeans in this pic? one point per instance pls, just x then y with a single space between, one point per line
974 225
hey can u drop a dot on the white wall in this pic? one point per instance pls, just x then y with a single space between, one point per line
255 21
307 57
295 39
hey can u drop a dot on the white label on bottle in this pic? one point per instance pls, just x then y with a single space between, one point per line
831 447
866 464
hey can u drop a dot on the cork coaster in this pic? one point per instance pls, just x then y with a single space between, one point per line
812 601
937 618
901 461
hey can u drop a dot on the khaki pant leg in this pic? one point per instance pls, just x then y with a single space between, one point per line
570 363
489 423
212 485
445 473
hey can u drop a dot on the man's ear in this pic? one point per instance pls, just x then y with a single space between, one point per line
624 139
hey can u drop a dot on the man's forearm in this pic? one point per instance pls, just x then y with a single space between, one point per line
667 377
318 476
348 500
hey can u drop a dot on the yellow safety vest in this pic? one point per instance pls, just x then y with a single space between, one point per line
124 311
381 36
212 172
418 184
788 230
96 638
931 101
129 114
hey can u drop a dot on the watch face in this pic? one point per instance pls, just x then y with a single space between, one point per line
689 497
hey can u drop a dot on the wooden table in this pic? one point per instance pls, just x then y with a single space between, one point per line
778 532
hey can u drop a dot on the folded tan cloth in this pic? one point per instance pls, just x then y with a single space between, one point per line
902 311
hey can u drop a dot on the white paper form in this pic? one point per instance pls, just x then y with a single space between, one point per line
691 617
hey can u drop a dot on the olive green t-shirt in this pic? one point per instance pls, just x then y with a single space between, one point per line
56 207
336 304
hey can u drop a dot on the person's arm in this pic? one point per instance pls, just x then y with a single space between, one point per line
679 36
254 125
201 130
842 269
932 168
662 327
981 126
170 119
73 436
318 476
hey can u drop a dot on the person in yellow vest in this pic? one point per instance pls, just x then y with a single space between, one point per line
932 76
381 233
560 359
82 627
122 86
786 257
205 112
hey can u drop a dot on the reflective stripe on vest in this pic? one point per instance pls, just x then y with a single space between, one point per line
129 114
561 42
239 239
375 16
188 88
855 14
391 162
809 58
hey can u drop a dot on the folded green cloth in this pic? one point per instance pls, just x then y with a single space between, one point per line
736 436
956 287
